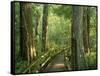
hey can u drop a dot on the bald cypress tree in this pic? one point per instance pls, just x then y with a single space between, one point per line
77 47
44 27
26 32
86 29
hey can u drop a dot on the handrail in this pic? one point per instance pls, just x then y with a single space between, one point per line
45 55
35 62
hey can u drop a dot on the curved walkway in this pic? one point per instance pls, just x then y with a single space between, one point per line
56 64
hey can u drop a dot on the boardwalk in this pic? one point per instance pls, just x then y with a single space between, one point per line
56 65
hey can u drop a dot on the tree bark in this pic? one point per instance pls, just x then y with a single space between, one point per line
88 25
44 27
36 25
26 32
86 30
77 47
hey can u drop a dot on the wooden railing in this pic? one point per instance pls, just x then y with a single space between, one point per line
43 60
67 59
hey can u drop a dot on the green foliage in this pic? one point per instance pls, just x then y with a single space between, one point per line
92 13
17 33
62 10
36 9
91 60
93 29
93 39
58 30
20 66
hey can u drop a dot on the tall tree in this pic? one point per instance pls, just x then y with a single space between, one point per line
86 23
36 25
44 27
26 32
36 14
77 47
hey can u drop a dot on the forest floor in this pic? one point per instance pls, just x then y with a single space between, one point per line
56 64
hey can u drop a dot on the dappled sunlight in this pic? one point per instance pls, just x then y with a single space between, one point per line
59 65
33 53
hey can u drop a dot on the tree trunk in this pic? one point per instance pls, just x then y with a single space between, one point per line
26 32
36 25
86 30
77 47
44 27
88 25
